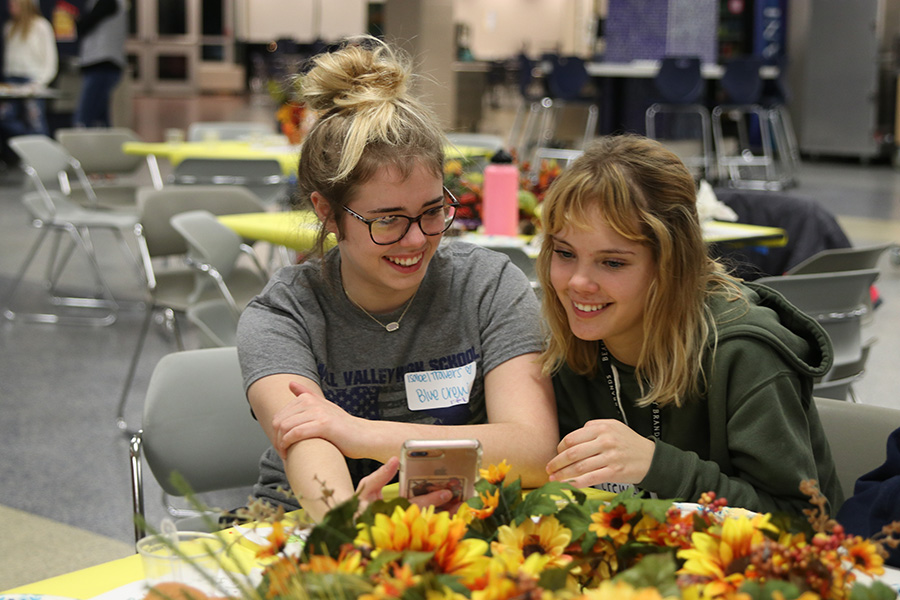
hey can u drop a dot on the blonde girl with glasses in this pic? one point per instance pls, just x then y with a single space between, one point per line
390 335
670 375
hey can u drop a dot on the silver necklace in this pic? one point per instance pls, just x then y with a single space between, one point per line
393 325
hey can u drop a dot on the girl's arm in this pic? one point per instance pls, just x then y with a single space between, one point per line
312 465
521 424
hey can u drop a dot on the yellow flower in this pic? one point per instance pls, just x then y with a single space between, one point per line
428 531
508 576
865 557
619 590
490 502
495 474
717 554
547 537
613 524
349 561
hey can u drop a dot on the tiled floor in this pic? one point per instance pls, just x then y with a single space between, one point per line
60 454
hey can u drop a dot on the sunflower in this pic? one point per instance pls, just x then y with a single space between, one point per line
865 557
620 590
509 576
721 554
427 531
546 536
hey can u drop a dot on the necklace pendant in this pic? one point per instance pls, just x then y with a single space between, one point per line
392 326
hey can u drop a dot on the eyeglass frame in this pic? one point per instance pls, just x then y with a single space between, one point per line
454 203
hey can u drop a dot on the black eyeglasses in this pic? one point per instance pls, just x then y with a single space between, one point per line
392 228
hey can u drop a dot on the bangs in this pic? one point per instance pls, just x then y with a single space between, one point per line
580 193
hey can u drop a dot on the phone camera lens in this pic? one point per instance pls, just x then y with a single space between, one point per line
418 453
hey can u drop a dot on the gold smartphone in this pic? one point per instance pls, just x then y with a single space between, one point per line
431 465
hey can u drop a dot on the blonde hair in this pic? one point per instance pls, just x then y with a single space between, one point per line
22 23
369 120
646 194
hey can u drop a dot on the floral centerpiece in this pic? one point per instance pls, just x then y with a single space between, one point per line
466 182
293 118
557 542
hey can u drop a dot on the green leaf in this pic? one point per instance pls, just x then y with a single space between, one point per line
765 591
415 560
336 529
654 571
877 590
553 579
328 586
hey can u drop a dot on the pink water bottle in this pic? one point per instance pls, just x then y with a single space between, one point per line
500 206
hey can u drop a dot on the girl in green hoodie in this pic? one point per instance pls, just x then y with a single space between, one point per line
669 374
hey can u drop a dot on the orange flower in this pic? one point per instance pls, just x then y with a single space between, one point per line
277 539
495 474
865 557
490 502
283 578
613 524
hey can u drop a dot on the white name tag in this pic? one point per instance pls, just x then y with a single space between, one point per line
427 390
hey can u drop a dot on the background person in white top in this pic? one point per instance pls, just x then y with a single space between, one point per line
30 56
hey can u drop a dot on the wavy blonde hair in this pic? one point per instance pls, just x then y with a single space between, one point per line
368 120
647 195
21 24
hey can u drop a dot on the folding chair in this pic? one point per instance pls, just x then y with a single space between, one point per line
837 301
214 249
227 130
196 423
857 434
117 175
52 212
680 85
172 287
263 177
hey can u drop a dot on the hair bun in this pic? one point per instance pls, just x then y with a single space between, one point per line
356 76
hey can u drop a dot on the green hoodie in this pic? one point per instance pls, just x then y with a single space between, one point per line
754 434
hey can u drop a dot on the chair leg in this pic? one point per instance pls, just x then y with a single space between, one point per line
137 485
132 368
108 303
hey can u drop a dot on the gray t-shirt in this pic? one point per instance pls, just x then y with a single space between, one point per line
473 311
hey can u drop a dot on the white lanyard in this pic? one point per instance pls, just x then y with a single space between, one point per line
612 380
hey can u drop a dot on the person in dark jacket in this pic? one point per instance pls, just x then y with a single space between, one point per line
102 29
876 499
670 375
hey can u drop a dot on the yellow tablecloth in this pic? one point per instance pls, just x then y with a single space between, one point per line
293 229
286 155
297 230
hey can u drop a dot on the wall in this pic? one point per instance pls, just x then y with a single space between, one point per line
302 20
500 29
424 29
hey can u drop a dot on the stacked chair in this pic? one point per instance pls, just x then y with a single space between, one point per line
749 165
57 217
680 86
840 301
173 286
196 423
